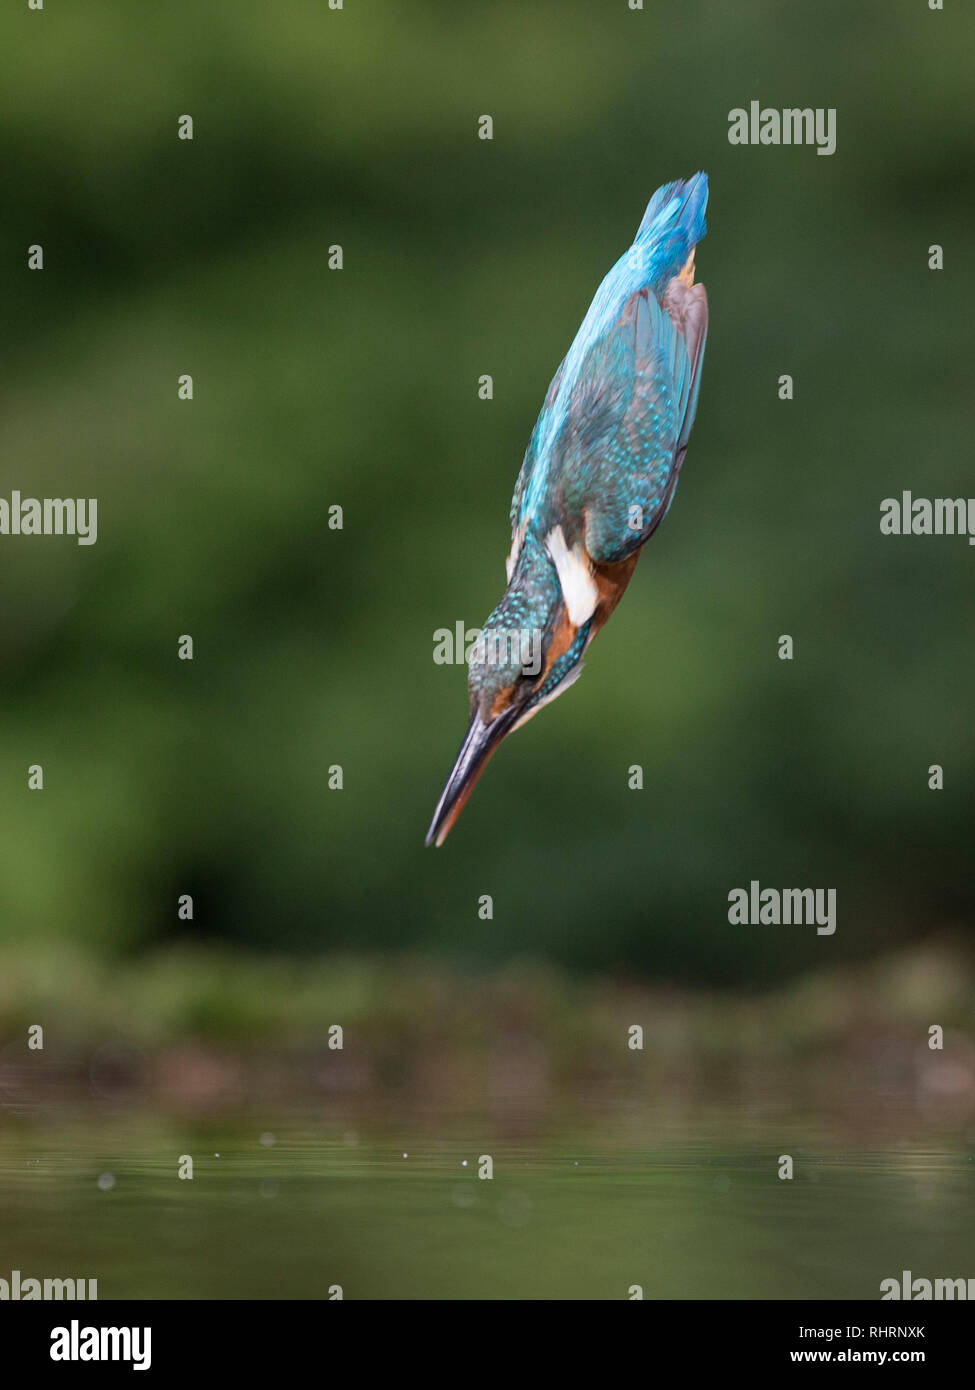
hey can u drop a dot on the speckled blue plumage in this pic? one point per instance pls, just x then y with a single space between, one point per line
598 476
620 407
612 432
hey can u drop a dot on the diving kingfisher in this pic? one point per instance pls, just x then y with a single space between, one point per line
598 478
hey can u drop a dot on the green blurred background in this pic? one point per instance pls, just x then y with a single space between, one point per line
359 388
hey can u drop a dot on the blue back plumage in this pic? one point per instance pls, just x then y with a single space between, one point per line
615 422
672 224
598 476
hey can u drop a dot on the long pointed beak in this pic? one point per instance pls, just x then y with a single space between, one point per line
480 742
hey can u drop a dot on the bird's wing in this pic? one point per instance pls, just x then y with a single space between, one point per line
628 419
528 466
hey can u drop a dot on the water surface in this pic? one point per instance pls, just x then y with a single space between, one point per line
686 1203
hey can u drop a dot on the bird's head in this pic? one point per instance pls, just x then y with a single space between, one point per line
504 666
527 653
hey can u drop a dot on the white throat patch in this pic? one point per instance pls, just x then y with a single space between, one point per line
574 569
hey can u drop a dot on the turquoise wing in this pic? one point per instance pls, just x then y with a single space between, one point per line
618 453
534 449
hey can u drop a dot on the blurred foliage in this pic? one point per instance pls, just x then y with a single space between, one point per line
202 1024
358 387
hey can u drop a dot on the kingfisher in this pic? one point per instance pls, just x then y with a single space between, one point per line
598 477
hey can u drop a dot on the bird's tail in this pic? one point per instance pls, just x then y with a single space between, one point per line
672 226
